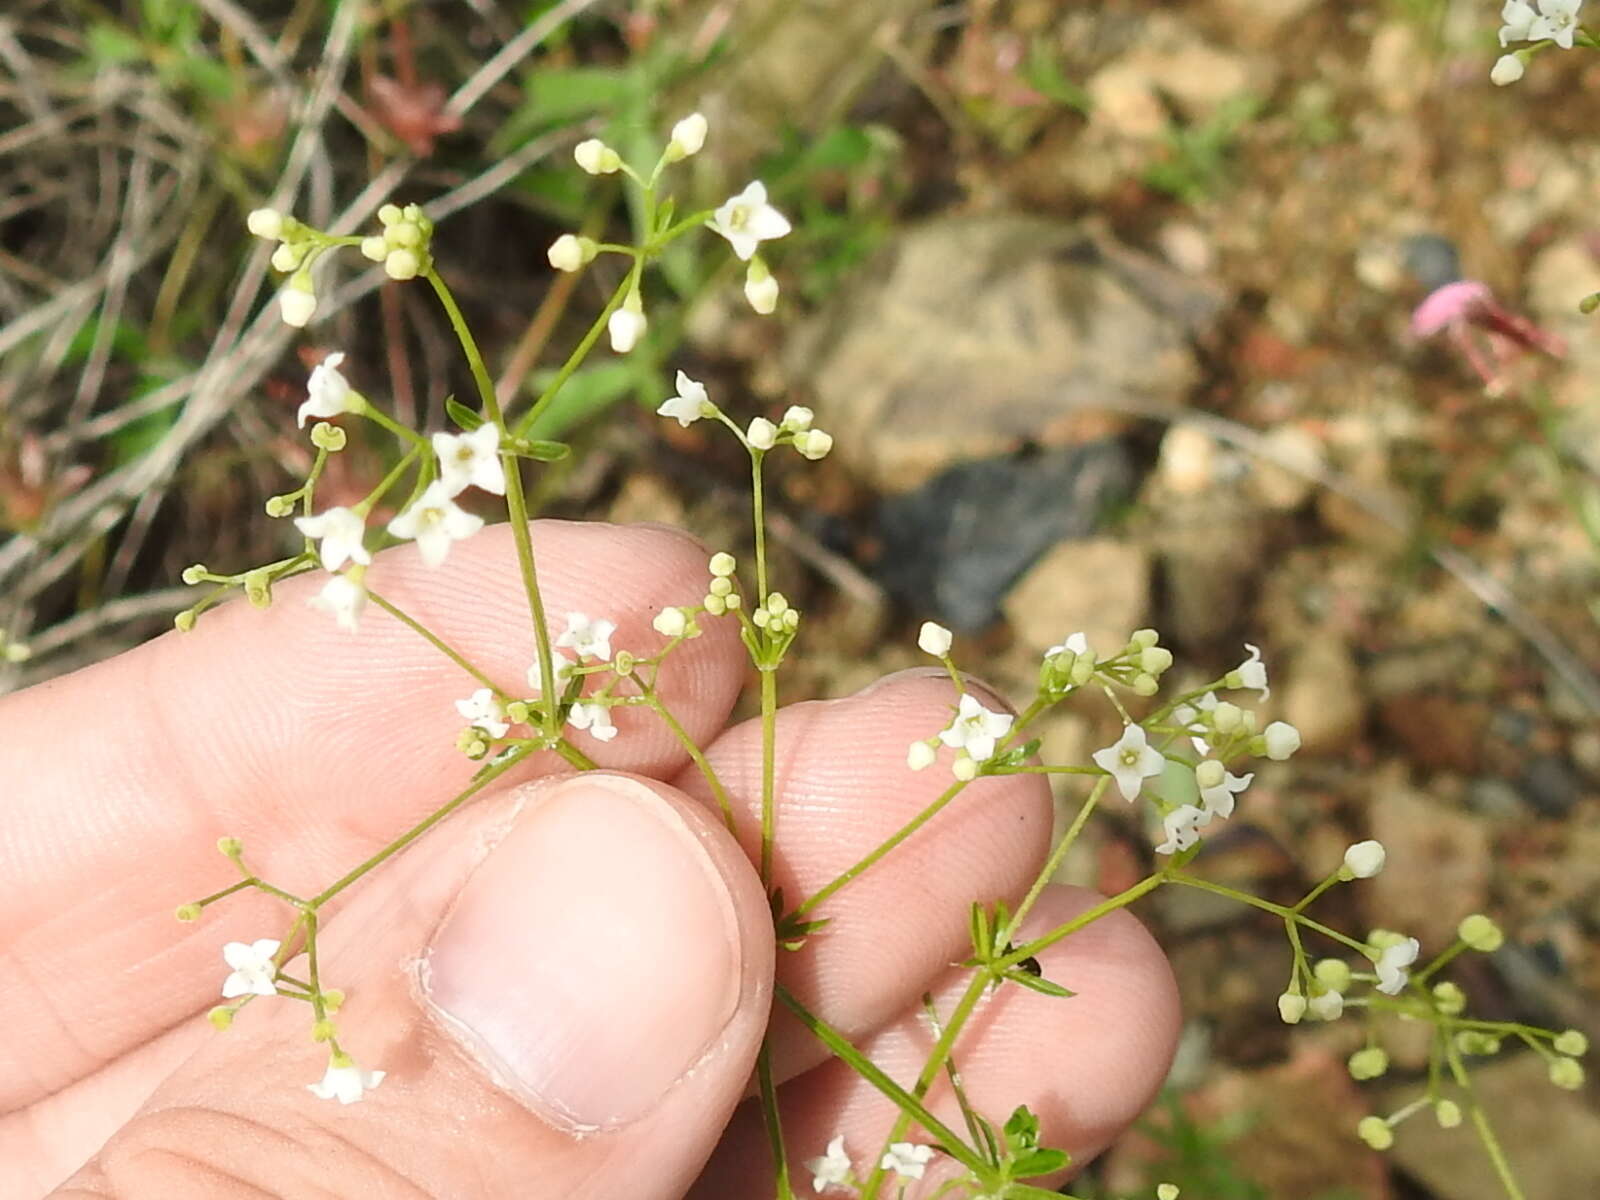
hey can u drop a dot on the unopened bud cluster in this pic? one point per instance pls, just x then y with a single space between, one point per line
404 246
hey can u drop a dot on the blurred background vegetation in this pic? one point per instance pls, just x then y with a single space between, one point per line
1108 304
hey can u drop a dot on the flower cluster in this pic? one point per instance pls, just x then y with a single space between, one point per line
404 245
1542 22
833 1171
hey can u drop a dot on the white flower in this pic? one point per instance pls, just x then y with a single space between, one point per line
1392 963
747 220
1130 760
328 393
762 434
1329 1006
1218 787
253 968
689 405
341 531
568 253
1283 739
670 622
1558 21
1077 643
1520 18
1291 1007
761 288
1252 672
471 460
906 1159
920 756
813 444
561 668
486 712
590 638
688 135
435 520
595 157
344 597
933 639
1364 859
1507 70
832 1169
1182 826
345 1083
265 223
297 305
975 729
626 327
596 718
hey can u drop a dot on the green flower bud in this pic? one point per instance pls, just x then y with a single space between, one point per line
230 847
1447 1113
1145 685
323 1031
1449 999
279 506
258 588
333 999
221 1017
1566 1073
184 621
1482 934
1143 639
328 437
1155 659
1571 1043
1332 973
195 574
188 912
1375 1132
1368 1063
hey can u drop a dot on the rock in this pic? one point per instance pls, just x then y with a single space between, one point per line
1439 732
1550 785
953 548
1323 697
1100 587
1190 460
1438 864
1549 1137
1286 470
971 336
1211 548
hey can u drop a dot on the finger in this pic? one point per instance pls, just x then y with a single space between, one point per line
842 788
311 744
1086 1065
571 1012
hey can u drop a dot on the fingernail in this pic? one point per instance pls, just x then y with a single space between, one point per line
593 957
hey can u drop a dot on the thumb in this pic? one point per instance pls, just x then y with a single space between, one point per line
566 989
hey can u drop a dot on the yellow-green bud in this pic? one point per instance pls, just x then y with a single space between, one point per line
1375 1132
1447 1113
723 563
1155 659
714 604
1145 685
1225 717
1572 1043
230 847
323 1031
1143 639
333 999
1566 1073
1166 1191
221 1017
188 912
518 712
1368 1063
328 437
195 574
733 601
1589 303
1449 999
389 214
1332 973
1482 934
376 248
1291 1007
623 662
402 264
258 588
777 605
279 506
721 586
184 621
1474 1041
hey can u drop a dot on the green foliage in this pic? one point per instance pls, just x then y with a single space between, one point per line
1196 165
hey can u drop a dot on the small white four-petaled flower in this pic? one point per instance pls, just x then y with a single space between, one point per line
253 968
832 1169
471 460
328 392
344 597
344 1081
1392 963
907 1159
1364 859
1130 760
1077 643
1252 672
485 711
975 729
341 531
689 405
596 718
747 220
1218 786
1182 826
561 667
589 638
933 639
434 521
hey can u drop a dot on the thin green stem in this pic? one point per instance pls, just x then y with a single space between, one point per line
1438 964
1316 891
1484 1130
771 1120
433 639
759 520
378 417
1279 910
1056 856
388 481
769 737
1087 917
488 776
516 501
576 358
227 891
696 755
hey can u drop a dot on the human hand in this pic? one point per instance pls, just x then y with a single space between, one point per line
568 981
